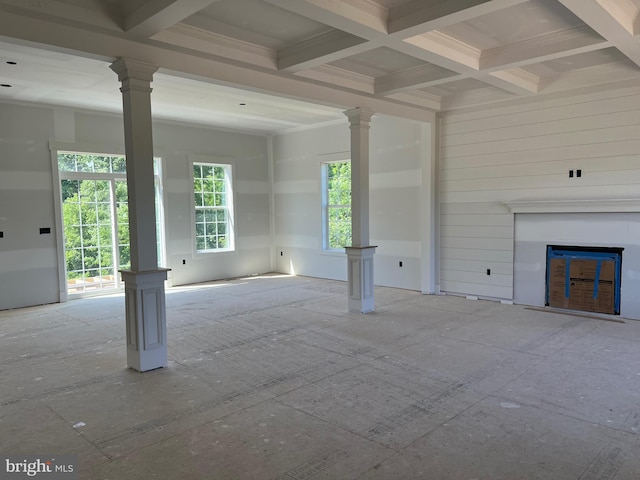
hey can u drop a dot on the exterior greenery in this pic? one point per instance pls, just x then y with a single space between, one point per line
338 205
88 215
96 217
88 230
93 163
212 201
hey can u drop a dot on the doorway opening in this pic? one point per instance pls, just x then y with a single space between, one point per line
95 220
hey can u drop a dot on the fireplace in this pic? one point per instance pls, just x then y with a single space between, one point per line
584 278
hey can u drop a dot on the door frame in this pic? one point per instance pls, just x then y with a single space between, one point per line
109 150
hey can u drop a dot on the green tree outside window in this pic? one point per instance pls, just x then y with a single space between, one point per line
338 205
212 199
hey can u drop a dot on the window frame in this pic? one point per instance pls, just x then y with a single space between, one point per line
229 168
59 174
326 207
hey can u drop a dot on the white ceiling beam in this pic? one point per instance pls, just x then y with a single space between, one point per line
449 48
600 19
154 16
93 12
340 77
373 29
424 99
421 76
194 38
433 47
420 16
517 81
504 61
625 12
444 51
321 49
197 65
540 49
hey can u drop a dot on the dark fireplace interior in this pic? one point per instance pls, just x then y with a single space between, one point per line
584 278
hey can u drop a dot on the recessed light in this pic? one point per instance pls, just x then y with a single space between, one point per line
12 63
5 85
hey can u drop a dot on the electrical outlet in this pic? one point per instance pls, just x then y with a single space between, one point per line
184 262
488 271
400 263
570 173
578 173
281 253
45 230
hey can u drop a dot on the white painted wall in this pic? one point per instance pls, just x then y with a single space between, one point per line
28 261
397 157
534 231
524 152
248 155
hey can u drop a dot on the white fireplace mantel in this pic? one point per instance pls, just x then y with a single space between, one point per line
602 205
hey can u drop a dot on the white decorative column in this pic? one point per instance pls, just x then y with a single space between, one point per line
144 283
360 253
429 207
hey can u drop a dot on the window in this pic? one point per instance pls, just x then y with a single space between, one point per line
336 189
213 202
95 218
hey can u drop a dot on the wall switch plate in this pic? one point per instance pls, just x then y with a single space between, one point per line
570 173
578 173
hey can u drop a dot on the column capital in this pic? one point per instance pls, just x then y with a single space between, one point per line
133 69
359 115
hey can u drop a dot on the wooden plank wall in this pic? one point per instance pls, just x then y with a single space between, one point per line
525 152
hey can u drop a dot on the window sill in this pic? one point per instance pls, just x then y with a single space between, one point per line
210 252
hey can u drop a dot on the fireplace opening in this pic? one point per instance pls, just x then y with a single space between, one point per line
584 278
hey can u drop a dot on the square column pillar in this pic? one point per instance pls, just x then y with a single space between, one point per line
144 283
360 253
146 319
360 277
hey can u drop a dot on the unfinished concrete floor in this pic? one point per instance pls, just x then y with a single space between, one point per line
271 378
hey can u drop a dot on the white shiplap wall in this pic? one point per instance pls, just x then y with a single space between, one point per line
524 152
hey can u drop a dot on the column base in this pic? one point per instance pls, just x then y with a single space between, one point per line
146 319
360 276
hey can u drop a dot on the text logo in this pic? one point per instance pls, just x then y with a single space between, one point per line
46 467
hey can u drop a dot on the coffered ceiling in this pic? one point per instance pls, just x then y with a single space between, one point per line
401 57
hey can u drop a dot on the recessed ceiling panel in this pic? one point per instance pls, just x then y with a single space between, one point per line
377 62
391 4
230 42
577 62
455 87
257 22
514 24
